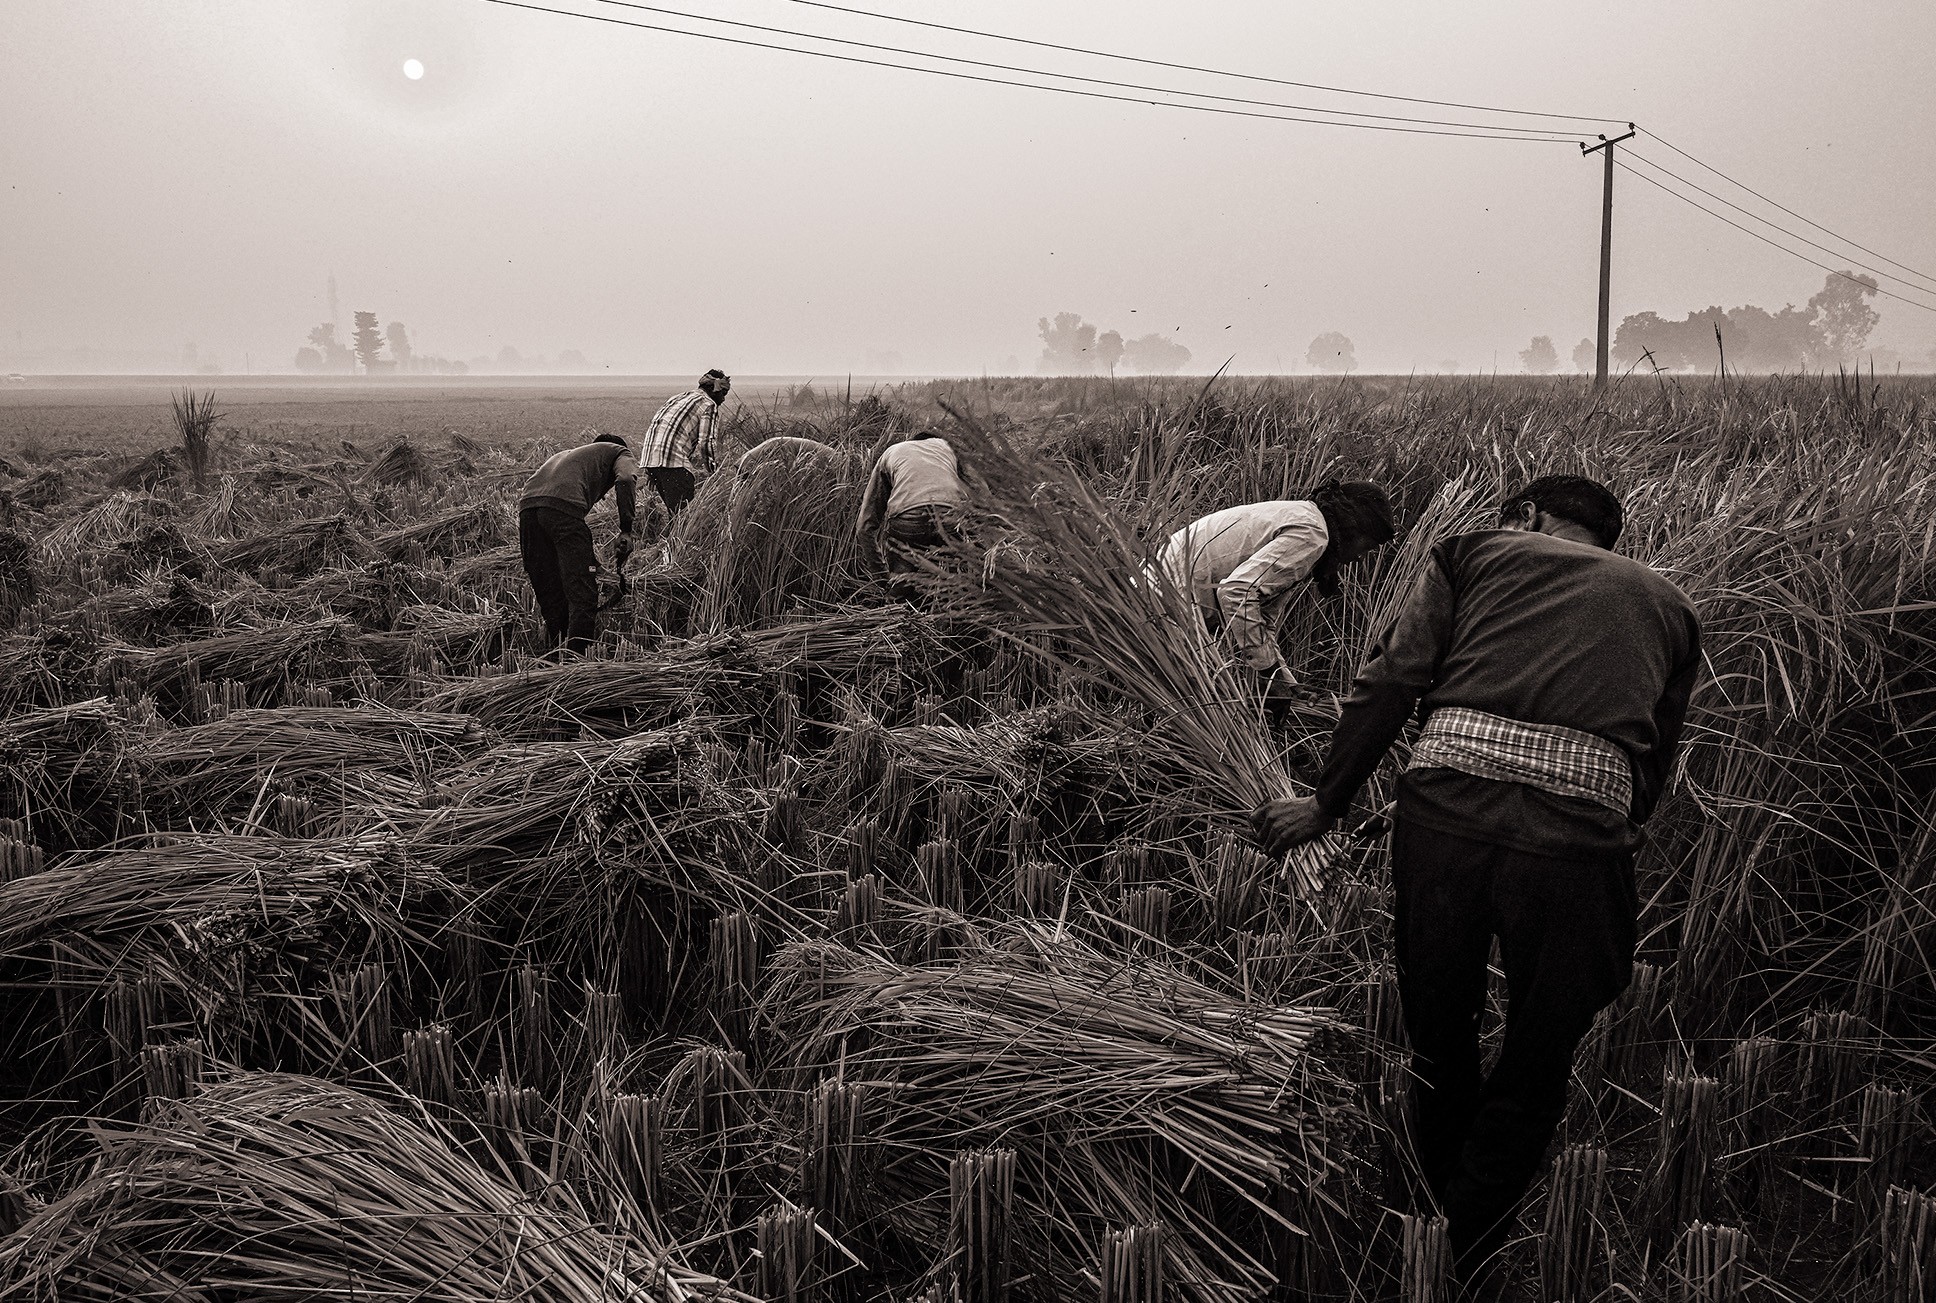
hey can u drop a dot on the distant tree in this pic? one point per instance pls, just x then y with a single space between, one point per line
367 340
1068 345
1830 331
1585 354
508 359
1450 366
1843 318
309 359
1540 358
1331 351
573 361
399 344
1155 355
1109 350
335 356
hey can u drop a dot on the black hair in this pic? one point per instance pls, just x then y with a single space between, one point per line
618 439
1587 503
1355 509
711 379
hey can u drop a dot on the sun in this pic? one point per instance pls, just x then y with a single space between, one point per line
413 69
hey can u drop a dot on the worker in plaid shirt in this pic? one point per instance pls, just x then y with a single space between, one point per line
680 442
1552 677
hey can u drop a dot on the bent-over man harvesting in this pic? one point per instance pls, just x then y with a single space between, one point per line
1241 567
908 509
556 543
1552 677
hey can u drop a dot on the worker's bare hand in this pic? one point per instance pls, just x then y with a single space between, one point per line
1283 826
622 548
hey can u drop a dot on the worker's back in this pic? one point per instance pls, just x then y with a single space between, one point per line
1551 631
1203 553
922 473
575 479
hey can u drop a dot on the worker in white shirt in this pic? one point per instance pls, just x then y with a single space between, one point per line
1242 565
909 507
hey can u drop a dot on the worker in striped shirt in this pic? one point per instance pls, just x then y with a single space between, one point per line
1241 567
1552 677
680 444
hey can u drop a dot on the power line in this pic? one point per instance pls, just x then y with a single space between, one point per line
1069 76
1876 289
1791 212
1191 67
1776 226
1026 85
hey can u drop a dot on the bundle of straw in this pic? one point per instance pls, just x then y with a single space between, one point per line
298 549
1103 1078
461 531
64 771
227 923
272 1186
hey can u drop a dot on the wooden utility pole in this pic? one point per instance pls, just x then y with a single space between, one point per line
1606 253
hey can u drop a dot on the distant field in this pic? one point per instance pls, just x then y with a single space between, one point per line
130 414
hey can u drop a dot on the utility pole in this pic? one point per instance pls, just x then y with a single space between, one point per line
1606 252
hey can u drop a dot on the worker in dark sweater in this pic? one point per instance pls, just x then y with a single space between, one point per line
557 543
1552 677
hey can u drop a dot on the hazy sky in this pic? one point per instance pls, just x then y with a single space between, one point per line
193 170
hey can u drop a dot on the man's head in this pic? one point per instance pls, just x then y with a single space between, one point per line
612 438
1358 518
716 383
1567 506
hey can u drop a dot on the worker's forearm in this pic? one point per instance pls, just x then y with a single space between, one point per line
627 505
1371 720
1245 628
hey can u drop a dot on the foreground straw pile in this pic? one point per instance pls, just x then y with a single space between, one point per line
804 946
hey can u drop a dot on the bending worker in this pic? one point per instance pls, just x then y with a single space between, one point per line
1552 677
557 543
1241 566
909 507
681 442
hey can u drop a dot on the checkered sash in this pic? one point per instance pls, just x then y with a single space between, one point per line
1563 761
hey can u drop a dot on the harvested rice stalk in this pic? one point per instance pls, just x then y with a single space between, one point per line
65 774
239 930
1569 1243
1708 1264
365 1011
1753 1090
631 1131
1105 1078
264 659
836 1160
1425 1275
858 912
1906 1247
981 1196
1886 1136
279 1186
1131 1265
787 1241
172 1070
430 1066
1682 1178
341 756
297 550
1834 1052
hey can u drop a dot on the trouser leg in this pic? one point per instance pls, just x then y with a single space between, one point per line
909 539
578 571
675 486
1567 935
1442 925
540 558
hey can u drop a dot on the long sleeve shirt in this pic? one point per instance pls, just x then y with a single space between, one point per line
910 474
683 433
1538 629
1241 566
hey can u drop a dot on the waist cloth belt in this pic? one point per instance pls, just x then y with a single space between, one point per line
1563 761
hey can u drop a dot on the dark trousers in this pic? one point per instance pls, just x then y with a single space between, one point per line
907 538
1566 932
675 485
563 568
